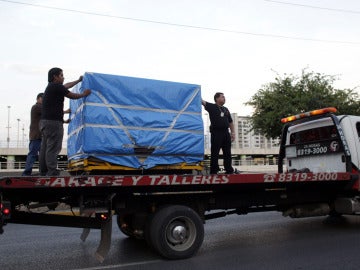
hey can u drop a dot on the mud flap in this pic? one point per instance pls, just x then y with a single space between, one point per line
86 231
84 234
105 227
105 241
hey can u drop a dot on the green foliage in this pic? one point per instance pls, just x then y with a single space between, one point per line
291 95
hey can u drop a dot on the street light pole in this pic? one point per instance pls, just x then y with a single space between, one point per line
23 135
18 132
8 128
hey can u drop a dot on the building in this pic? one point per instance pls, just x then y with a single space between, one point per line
248 146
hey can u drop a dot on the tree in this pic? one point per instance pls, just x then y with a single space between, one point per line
290 95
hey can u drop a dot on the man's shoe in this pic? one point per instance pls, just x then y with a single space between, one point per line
54 173
236 171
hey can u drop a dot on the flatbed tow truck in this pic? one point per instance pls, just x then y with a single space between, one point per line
168 211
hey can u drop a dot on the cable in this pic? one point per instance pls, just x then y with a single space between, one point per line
185 25
316 7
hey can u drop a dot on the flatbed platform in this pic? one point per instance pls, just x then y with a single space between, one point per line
144 204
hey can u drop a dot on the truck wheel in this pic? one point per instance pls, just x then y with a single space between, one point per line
176 232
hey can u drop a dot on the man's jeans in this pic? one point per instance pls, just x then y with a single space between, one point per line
34 149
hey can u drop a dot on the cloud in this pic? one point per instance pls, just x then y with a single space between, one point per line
24 68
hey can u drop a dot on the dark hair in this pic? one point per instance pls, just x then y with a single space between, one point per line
217 94
40 95
53 72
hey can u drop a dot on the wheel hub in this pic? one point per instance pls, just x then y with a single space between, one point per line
179 233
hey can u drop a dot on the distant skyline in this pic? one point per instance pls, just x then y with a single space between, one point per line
232 46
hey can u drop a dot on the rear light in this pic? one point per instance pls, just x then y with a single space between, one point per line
102 216
5 209
356 184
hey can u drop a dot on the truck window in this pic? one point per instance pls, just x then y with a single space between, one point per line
315 134
358 128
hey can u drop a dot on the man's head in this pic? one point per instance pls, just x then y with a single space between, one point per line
56 75
219 98
39 98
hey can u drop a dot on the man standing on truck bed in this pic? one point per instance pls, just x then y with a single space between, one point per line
221 121
51 124
34 135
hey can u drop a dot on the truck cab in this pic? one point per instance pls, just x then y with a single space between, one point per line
320 141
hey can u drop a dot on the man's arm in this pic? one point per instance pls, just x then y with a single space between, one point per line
232 130
72 95
203 102
71 84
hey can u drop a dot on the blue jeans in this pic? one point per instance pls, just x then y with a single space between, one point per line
34 149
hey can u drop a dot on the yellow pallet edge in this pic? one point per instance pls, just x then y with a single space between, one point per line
90 165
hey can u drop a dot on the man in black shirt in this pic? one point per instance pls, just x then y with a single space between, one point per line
51 124
221 121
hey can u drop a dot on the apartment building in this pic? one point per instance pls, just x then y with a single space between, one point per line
248 144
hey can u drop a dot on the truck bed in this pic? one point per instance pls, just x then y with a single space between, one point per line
24 189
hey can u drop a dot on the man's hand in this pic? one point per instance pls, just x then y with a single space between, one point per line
86 92
72 95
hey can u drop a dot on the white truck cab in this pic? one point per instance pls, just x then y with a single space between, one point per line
320 141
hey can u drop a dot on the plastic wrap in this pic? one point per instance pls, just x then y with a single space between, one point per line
136 122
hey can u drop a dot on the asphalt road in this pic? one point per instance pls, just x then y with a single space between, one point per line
255 241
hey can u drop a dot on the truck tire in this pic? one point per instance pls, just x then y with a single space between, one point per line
175 232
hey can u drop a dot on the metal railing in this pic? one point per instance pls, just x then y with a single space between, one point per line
20 165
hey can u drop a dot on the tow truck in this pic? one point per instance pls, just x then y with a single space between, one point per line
168 211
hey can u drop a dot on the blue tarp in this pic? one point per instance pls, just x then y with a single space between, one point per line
136 122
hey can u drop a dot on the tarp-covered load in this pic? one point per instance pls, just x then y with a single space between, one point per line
135 122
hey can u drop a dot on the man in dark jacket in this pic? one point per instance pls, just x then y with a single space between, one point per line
34 135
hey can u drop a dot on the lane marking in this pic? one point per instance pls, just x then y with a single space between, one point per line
118 265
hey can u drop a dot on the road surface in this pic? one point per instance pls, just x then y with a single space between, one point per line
254 241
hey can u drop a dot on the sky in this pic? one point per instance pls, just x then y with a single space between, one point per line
231 46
